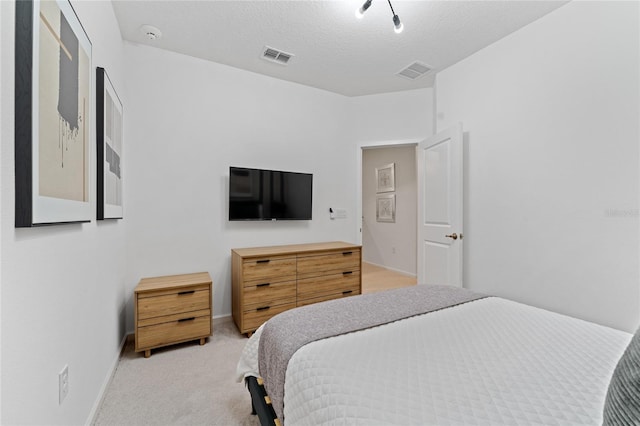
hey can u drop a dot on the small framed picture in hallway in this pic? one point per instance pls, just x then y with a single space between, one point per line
386 208
386 178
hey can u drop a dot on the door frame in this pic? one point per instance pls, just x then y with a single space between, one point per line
394 143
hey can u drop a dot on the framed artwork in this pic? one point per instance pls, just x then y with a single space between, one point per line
386 178
109 148
386 208
52 115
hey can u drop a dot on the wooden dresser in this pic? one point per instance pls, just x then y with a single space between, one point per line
172 309
270 280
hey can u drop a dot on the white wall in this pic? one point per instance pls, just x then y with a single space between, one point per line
194 119
392 245
393 116
62 286
3 47
550 115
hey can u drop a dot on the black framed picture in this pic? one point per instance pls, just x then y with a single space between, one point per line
109 148
53 110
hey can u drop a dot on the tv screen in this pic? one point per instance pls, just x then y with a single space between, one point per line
256 194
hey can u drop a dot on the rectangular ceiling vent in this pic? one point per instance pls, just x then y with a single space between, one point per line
415 70
274 55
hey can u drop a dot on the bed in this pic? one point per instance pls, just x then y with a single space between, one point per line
467 360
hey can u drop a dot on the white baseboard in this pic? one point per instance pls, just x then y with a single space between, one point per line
409 274
107 381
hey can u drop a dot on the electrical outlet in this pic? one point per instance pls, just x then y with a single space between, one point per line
63 384
393 250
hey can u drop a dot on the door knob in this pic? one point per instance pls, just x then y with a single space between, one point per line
454 236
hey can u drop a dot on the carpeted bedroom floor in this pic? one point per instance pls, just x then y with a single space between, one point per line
185 384
189 384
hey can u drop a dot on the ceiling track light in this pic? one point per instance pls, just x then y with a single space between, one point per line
397 24
362 9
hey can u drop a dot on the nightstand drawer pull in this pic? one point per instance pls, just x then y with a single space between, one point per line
347 292
347 253
263 261
263 308
347 273
186 292
186 319
263 285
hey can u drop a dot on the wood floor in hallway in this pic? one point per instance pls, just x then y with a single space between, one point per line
376 278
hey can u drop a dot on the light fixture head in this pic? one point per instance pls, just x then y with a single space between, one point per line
397 25
360 11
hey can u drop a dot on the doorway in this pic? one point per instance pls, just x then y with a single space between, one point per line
389 241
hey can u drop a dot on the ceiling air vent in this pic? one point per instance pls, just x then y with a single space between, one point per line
275 55
415 70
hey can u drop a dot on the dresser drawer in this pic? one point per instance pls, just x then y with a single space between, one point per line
328 284
254 318
271 268
269 294
328 297
173 332
185 300
347 260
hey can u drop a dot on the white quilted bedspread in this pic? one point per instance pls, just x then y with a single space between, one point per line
487 362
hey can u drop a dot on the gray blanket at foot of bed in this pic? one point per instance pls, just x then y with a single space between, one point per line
287 332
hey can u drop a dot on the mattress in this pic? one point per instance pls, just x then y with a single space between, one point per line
486 362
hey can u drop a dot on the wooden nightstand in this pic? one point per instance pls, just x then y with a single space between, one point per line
172 309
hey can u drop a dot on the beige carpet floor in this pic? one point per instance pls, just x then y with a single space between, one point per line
185 384
189 384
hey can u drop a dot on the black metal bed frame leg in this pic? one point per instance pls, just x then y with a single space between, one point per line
259 405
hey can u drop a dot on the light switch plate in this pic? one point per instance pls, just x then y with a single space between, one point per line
340 213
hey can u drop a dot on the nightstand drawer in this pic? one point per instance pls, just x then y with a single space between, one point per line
269 294
264 269
347 260
185 300
173 332
328 284
255 318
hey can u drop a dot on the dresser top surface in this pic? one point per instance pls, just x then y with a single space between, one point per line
172 281
293 249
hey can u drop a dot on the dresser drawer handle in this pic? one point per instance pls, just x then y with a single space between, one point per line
347 273
263 261
263 308
186 319
263 285
186 292
347 292
347 253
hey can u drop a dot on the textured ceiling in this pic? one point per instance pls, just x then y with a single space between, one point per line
333 50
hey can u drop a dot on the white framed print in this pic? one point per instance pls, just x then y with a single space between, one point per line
386 208
386 178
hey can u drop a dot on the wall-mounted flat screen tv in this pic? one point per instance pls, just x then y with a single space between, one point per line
256 194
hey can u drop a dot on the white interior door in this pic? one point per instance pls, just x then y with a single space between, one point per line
440 208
